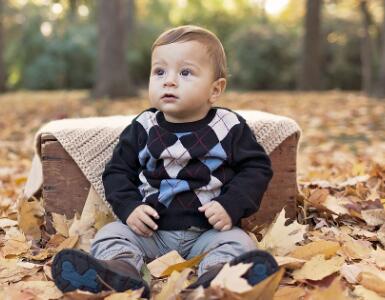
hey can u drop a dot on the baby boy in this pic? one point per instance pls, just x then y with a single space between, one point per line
182 176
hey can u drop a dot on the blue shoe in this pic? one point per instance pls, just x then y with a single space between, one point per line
74 269
264 265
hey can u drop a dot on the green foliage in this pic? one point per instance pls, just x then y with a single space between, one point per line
342 65
263 52
263 56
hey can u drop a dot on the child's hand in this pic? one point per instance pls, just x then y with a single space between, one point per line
140 220
216 215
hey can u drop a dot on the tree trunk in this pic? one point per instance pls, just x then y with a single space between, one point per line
112 70
380 86
310 74
72 11
367 50
2 65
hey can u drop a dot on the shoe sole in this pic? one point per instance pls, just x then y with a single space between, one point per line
264 265
73 269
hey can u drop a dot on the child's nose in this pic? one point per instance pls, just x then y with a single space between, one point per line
170 80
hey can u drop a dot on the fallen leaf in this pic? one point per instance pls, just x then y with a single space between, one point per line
176 283
379 257
128 295
356 249
289 262
327 248
14 248
372 282
230 278
10 271
159 265
280 239
183 265
323 268
289 293
266 288
30 218
366 294
60 223
38 289
335 291
5 222
374 217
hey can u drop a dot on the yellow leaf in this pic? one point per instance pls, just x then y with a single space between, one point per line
324 268
358 169
20 180
183 265
327 248
372 282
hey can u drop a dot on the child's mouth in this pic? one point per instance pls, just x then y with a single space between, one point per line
169 97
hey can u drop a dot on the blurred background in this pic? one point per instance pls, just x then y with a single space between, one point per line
104 46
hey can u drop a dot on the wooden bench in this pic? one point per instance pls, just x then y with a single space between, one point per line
65 188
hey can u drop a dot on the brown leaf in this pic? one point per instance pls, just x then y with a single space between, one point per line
31 218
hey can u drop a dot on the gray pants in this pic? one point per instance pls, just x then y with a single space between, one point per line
117 238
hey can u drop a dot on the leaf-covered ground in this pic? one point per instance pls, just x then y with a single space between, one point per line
336 250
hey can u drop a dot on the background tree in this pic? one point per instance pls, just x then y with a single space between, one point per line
2 65
112 79
310 72
380 86
367 49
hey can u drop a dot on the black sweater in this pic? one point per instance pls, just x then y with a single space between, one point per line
177 167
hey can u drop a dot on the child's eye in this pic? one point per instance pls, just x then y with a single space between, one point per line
185 72
159 72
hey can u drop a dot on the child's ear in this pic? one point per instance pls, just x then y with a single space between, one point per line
217 88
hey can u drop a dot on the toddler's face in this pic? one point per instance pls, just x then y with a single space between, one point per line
182 82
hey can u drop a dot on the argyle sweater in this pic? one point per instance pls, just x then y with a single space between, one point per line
177 167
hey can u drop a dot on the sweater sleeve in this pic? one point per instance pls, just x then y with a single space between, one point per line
242 195
120 177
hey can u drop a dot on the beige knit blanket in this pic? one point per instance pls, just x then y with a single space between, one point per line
90 142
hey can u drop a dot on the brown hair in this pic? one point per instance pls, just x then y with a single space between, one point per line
195 33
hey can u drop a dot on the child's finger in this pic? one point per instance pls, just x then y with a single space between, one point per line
146 231
226 227
150 211
204 206
148 221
